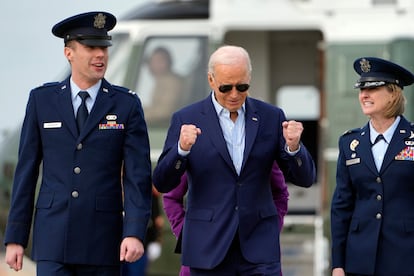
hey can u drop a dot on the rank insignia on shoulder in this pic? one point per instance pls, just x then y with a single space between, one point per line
47 84
351 131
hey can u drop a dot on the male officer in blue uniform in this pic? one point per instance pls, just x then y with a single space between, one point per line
372 218
94 200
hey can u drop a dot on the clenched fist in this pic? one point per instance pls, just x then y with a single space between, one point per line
188 136
292 131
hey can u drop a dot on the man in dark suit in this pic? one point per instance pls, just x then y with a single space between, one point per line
94 201
227 144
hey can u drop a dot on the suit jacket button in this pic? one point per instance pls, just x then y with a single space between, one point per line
77 170
178 165
379 197
79 146
378 216
75 194
378 179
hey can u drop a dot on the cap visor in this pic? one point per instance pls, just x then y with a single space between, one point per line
95 42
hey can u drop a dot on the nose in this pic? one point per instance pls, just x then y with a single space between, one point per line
233 92
363 92
100 51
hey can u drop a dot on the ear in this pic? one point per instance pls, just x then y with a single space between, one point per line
67 51
210 80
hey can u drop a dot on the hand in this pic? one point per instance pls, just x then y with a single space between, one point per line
14 256
131 249
338 272
292 131
188 136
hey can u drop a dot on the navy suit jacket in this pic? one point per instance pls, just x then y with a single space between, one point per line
79 210
220 202
372 214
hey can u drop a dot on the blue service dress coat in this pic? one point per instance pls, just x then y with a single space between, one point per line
372 214
220 202
78 216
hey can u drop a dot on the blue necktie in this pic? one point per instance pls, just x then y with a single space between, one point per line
82 113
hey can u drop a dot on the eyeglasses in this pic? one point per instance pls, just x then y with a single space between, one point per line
228 87
224 88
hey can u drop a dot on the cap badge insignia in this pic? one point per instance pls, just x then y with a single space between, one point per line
365 65
100 20
353 144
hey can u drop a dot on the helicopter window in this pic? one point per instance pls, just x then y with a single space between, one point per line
301 102
168 75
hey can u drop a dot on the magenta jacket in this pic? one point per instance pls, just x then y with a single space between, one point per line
174 208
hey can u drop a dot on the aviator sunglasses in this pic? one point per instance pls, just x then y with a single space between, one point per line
224 88
228 87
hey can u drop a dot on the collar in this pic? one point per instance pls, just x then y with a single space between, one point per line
387 134
220 110
93 90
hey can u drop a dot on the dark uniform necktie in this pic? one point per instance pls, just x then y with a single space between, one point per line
379 138
82 113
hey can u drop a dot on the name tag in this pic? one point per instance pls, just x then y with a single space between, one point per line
52 125
353 161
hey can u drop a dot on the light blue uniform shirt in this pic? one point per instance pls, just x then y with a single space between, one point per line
379 149
90 101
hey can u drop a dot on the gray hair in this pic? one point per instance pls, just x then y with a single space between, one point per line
229 54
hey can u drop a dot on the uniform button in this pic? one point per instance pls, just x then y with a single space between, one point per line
75 194
236 208
79 146
378 216
379 197
378 179
178 165
77 170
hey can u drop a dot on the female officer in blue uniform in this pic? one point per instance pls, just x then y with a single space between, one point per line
372 212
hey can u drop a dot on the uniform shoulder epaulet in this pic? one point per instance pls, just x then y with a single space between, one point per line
349 131
123 89
48 84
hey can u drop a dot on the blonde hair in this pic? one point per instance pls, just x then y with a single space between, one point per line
397 103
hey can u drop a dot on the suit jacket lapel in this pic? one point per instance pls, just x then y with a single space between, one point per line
102 105
64 106
365 152
397 143
252 125
215 132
